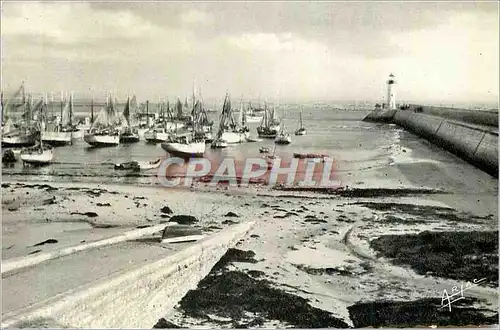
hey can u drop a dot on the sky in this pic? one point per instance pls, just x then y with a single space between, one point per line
441 52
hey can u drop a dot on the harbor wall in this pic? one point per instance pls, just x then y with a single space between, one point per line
136 298
478 117
477 145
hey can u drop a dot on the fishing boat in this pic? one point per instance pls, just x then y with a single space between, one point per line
40 154
138 165
251 114
157 134
230 130
188 145
129 133
62 131
104 131
218 144
19 132
283 137
301 130
199 113
269 126
263 150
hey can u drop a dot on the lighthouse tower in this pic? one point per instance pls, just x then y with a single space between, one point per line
391 95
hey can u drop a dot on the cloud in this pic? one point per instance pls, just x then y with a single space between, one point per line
194 16
291 50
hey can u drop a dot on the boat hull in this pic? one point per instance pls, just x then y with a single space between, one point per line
102 140
300 132
267 133
43 157
254 119
56 138
283 140
218 144
196 149
129 138
155 137
233 138
21 140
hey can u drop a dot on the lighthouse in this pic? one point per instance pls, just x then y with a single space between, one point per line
391 95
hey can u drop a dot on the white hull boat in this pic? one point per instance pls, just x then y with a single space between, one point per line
254 119
252 139
150 165
301 131
219 144
37 155
19 139
183 147
56 138
102 139
158 135
233 137
172 126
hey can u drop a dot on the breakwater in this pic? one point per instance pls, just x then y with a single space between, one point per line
474 138
133 298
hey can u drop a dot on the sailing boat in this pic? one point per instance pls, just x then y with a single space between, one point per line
64 132
219 142
20 133
251 114
283 136
269 126
129 133
103 131
189 145
230 131
301 130
40 154
160 130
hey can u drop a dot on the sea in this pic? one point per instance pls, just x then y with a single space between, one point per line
359 148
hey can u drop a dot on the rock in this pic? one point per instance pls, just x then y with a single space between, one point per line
183 219
48 241
49 201
88 214
228 222
164 324
8 157
103 204
166 210
231 214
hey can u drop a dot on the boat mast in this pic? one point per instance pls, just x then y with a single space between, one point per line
61 116
71 118
92 111
147 113
71 109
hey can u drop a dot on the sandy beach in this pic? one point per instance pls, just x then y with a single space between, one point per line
329 253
